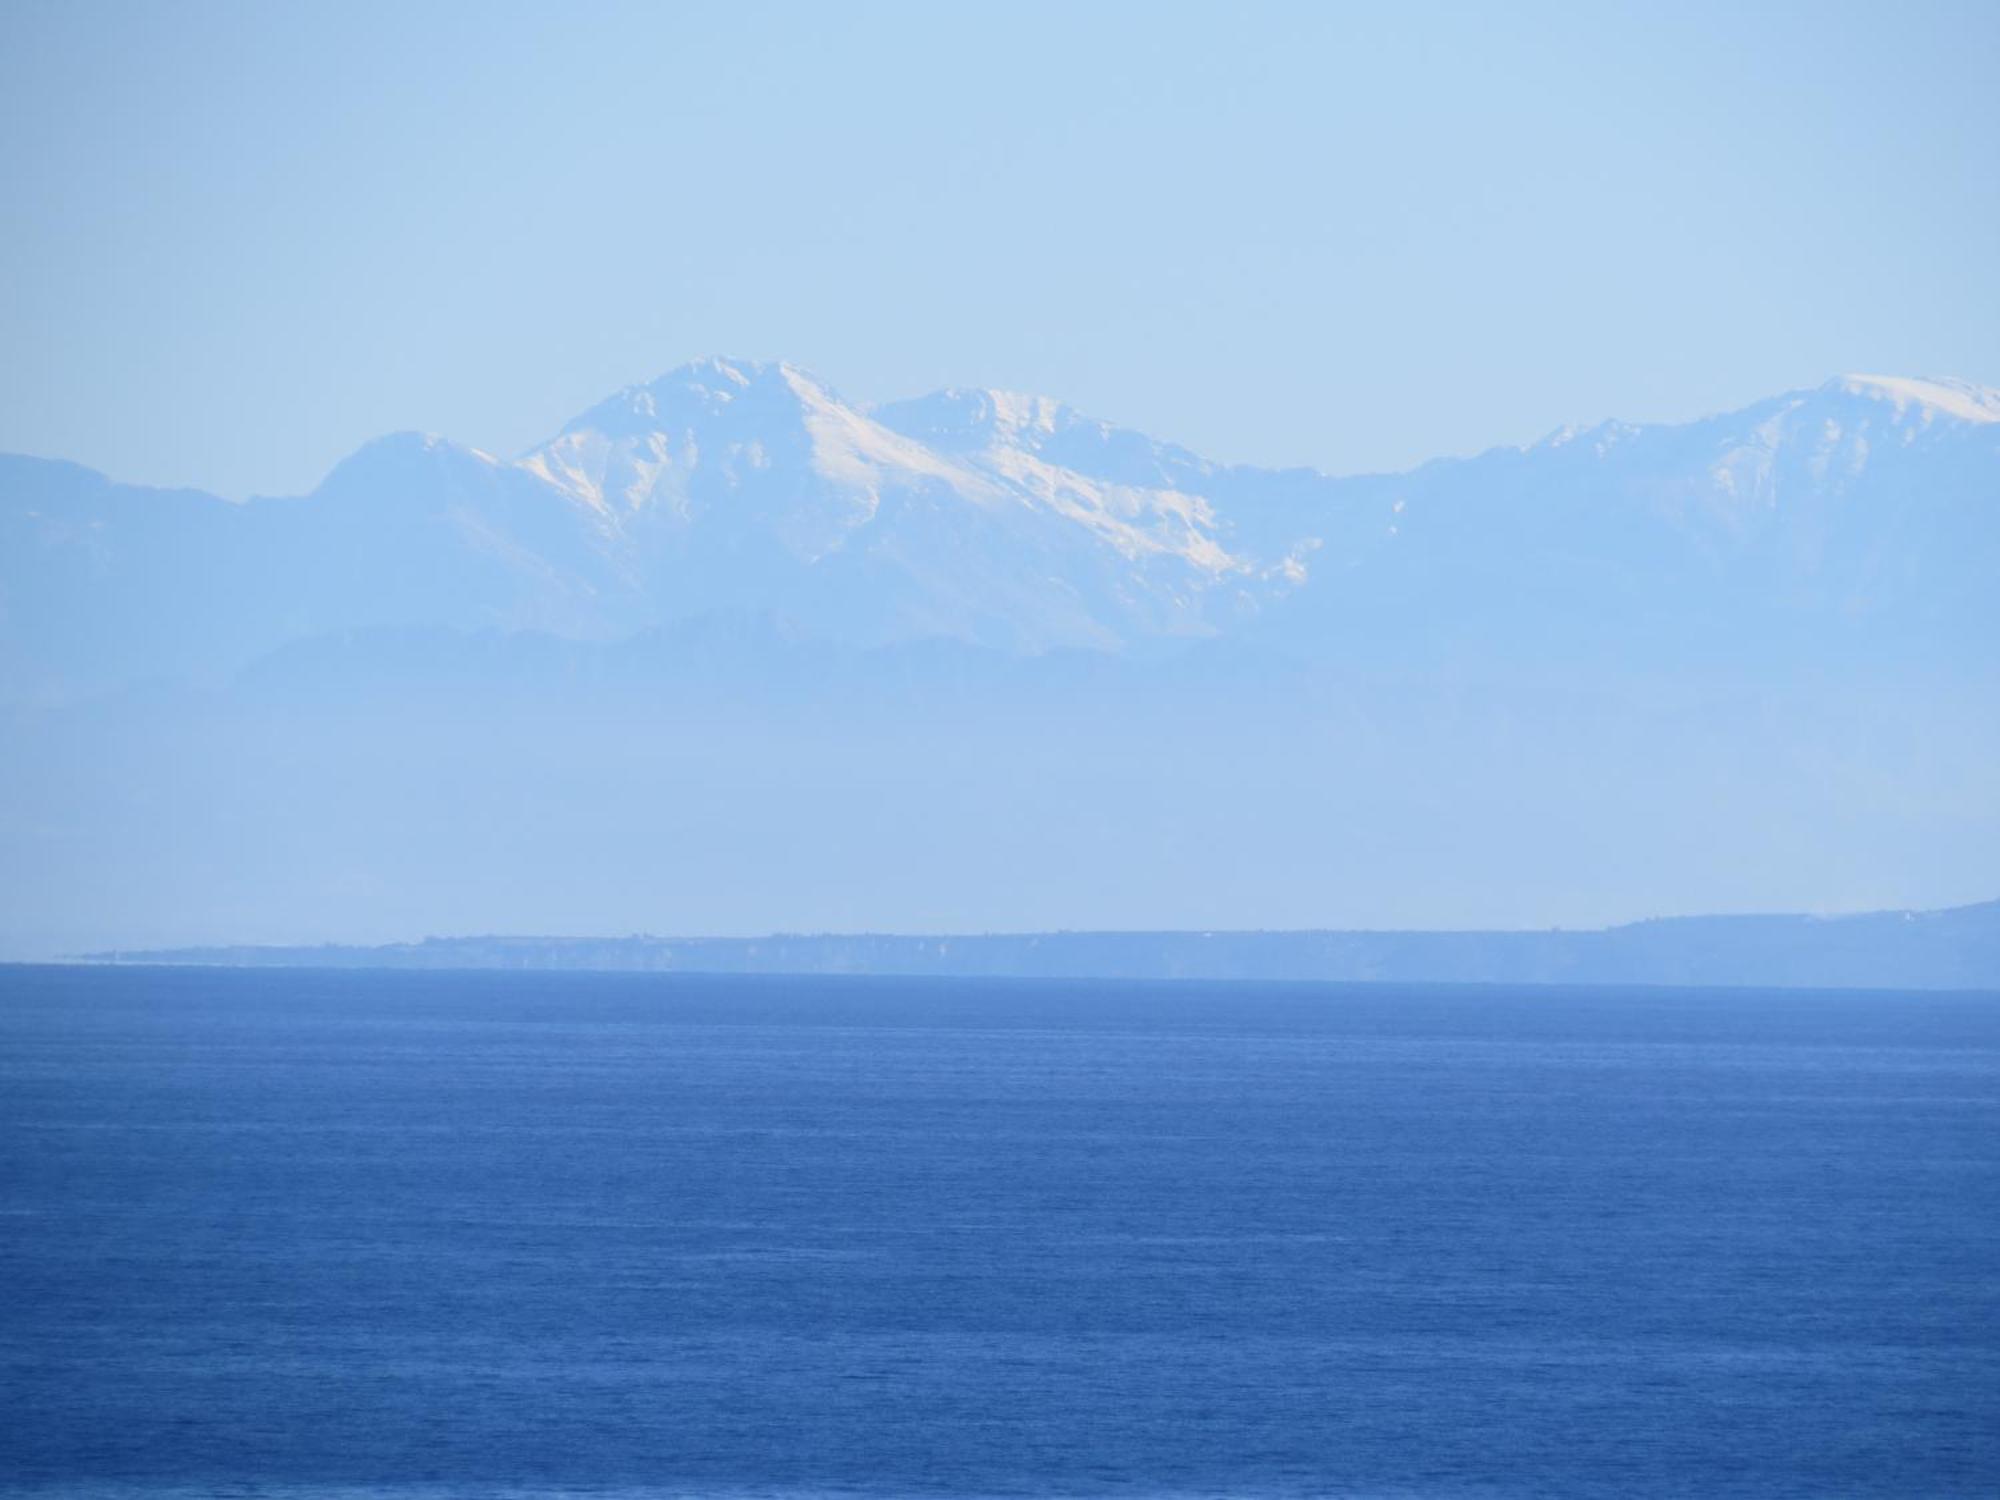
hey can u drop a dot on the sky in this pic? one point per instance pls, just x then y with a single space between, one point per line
241 240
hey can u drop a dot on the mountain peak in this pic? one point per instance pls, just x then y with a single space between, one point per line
403 457
1928 397
706 387
959 418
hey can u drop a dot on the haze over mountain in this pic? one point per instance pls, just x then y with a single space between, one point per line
729 653
1863 510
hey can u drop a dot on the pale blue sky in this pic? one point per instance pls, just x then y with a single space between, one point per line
240 240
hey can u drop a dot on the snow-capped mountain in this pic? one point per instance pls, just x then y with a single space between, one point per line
739 485
1863 515
1869 505
729 643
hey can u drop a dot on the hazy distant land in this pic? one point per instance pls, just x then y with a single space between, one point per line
1958 948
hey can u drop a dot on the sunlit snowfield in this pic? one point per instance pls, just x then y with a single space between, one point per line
316 1234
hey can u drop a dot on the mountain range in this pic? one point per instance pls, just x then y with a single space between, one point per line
1863 515
729 653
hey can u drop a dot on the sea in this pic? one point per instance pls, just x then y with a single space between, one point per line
323 1235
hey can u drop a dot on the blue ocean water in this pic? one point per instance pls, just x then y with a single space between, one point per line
317 1234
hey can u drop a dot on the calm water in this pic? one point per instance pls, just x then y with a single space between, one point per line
483 1235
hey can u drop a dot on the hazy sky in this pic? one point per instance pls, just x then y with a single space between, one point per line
239 240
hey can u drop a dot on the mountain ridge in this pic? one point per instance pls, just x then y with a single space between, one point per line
1016 522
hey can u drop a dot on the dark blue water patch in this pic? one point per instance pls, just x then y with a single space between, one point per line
433 1235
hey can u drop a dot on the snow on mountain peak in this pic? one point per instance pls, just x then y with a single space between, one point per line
1928 398
699 390
999 514
1005 505
1015 521
959 420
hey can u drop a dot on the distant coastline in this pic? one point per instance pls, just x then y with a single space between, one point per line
1955 948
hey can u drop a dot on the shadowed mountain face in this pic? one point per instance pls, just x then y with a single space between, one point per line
730 654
